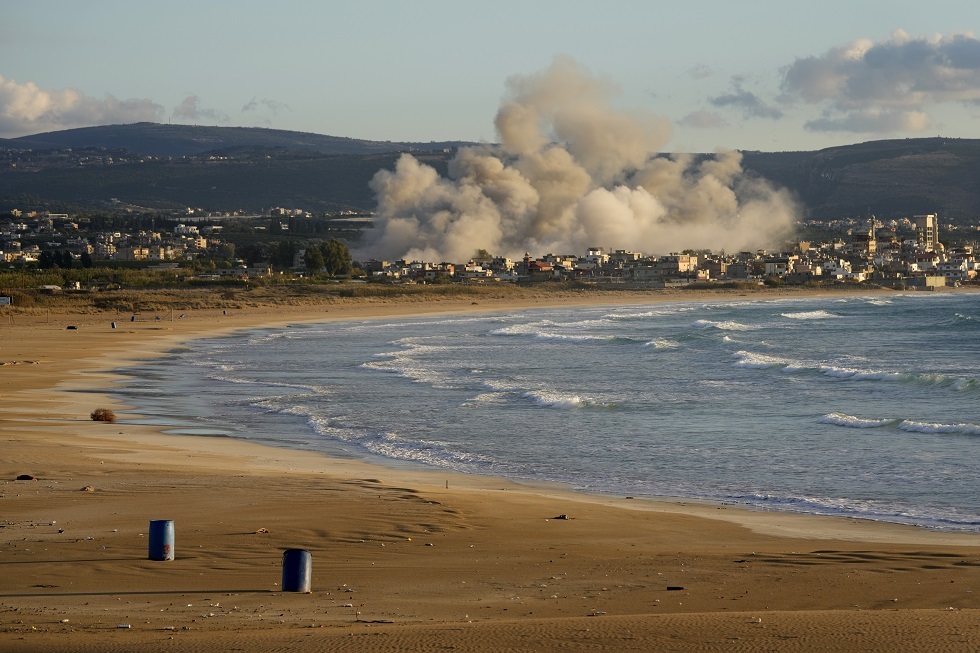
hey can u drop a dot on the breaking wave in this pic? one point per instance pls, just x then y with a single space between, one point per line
725 325
762 361
850 421
810 315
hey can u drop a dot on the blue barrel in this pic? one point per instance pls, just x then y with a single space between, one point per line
161 539
297 570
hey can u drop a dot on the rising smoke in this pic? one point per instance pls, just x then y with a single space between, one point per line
572 172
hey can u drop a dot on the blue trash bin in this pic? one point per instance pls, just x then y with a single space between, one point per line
161 539
297 570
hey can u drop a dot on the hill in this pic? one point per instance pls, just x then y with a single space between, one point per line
890 178
230 168
187 140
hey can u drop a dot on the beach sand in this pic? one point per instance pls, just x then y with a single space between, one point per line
403 560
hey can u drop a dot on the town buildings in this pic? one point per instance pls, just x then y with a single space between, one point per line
906 253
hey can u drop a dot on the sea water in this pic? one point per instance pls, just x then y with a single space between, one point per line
863 406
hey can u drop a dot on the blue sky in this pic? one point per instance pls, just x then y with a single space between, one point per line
754 74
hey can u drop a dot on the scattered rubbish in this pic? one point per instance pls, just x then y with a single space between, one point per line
71 327
674 588
169 628
26 477
124 626
429 544
596 613
563 516
262 530
629 497
87 488
64 621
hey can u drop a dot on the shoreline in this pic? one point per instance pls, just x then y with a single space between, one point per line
702 505
46 432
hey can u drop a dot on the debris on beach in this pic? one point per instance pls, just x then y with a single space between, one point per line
26 477
87 488
262 530
562 517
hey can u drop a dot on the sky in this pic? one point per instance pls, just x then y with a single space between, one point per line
752 75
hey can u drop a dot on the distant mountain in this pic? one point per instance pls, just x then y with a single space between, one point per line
230 168
891 178
186 140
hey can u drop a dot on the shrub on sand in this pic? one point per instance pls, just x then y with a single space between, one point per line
103 415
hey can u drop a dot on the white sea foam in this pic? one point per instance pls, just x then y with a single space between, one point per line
762 361
548 330
857 374
810 315
662 343
850 421
554 399
724 325
654 313
928 427
759 361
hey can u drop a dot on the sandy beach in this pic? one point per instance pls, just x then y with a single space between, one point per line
403 560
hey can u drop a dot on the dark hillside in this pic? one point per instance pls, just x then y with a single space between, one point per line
331 183
186 140
231 168
892 178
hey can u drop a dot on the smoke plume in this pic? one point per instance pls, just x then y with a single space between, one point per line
572 172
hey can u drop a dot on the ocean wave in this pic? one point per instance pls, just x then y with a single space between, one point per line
396 447
928 427
662 343
850 421
910 426
810 315
724 325
760 361
652 313
949 519
540 331
763 361
554 399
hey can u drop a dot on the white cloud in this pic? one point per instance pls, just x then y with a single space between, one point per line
888 86
27 109
191 110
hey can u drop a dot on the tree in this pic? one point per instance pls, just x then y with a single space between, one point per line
87 261
336 257
284 254
313 259
482 255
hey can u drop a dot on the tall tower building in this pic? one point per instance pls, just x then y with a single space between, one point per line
927 231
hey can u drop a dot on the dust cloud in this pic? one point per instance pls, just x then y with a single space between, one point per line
571 171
